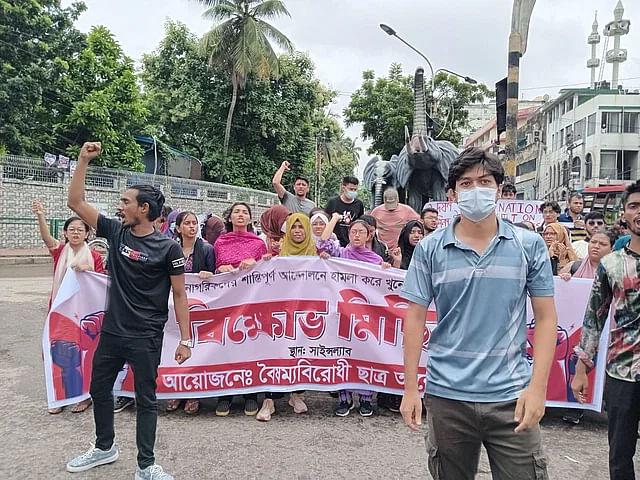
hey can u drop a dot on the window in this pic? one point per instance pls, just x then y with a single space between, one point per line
526 167
578 130
562 108
611 122
553 141
588 167
576 169
565 173
570 104
569 139
608 164
631 122
561 138
591 125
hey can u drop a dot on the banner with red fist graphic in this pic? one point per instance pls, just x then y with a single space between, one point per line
287 324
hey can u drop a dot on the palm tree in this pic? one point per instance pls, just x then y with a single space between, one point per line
241 43
351 148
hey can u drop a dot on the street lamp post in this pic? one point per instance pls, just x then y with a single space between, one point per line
391 32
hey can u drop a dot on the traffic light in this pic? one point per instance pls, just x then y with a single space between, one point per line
501 106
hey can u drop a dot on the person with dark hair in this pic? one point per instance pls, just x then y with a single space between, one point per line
373 242
593 223
238 248
509 191
73 253
391 217
213 228
429 219
295 203
347 206
550 212
480 389
617 281
161 222
272 222
624 237
199 258
144 268
357 250
574 216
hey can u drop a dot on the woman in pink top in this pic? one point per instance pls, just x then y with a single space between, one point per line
238 248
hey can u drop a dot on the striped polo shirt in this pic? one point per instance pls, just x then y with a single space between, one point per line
477 351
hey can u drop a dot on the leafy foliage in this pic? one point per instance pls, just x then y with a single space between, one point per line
385 105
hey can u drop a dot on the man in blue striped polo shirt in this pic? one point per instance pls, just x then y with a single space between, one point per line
480 386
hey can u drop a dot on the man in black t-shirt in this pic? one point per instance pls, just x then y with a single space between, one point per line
144 266
347 205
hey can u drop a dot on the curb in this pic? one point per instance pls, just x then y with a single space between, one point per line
25 260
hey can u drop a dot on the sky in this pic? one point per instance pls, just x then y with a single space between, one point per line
343 38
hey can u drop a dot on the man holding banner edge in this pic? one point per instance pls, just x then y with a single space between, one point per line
144 267
476 370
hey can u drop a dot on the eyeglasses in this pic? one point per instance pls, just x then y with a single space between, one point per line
76 230
591 223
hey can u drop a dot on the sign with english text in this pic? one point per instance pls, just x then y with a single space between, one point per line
287 324
513 210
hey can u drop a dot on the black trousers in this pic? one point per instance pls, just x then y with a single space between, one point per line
143 356
623 410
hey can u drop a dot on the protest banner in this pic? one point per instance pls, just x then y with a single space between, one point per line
287 324
513 210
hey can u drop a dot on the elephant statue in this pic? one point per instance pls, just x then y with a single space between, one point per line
421 170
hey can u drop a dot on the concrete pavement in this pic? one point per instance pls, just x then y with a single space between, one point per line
317 445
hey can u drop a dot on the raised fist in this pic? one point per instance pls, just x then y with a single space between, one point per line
285 165
90 150
36 207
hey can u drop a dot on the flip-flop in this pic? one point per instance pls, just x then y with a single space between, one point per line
81 406
191 407
55 410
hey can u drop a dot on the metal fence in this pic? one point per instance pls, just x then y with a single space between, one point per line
24 178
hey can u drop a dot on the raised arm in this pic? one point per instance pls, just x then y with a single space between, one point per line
277 179
48 239
76 200
328 230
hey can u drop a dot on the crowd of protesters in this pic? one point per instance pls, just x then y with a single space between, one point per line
576 246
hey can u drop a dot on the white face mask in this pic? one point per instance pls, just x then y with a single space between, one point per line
478 203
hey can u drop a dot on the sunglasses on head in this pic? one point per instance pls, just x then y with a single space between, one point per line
595 222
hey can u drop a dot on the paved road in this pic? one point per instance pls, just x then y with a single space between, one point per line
317 445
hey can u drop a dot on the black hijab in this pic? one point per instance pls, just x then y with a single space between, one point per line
403 242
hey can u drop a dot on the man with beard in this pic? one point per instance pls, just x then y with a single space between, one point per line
144 266
617 280
429 220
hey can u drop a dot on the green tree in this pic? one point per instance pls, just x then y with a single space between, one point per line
37 42
186 102
385 105
241 44
105 103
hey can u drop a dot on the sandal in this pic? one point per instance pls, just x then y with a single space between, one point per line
297 402
173 404
81 406
192 406
54 410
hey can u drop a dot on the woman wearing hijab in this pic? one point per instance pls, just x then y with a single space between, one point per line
213 228
272 222
600 244
238 248
357 249
74 253
560 250
297 242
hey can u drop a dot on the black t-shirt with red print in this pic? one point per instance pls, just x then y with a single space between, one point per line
349 211
140 270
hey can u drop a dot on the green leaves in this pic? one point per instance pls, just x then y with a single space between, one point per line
385 105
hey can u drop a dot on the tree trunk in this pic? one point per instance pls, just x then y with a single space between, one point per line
227 130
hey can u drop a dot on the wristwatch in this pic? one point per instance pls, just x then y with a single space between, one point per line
187 343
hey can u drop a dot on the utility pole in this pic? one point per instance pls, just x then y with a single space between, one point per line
520 17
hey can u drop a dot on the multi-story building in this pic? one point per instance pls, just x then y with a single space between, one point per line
482 113
486 136
591 138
